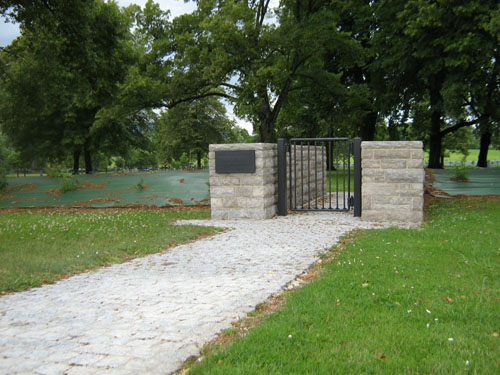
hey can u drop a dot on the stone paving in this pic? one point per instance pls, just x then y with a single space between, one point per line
148 315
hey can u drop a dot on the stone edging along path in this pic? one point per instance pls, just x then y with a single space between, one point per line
148 315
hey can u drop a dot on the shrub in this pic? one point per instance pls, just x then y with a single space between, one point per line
461 174
140 184
69 184
53 171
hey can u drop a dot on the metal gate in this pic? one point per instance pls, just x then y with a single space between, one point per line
319 174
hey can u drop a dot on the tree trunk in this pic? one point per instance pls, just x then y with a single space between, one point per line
266 131
435 142
367 128
88 158
482 160
393 130
76 162
198 158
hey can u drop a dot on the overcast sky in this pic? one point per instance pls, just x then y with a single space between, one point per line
9 31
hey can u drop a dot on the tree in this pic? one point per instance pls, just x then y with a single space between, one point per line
62 72
436 44
238 50
191 127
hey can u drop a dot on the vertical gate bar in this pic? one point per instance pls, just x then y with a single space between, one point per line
343 170
281 177
349 174
295 172
289 187
357 177
329 175
315 175
322 179
337 174
302 173
308 174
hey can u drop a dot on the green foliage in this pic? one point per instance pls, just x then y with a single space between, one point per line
42 247
54 171
69 184
415 69
461 174
140 184
392 301
61 74
189 128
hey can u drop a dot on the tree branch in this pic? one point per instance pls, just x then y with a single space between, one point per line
200 96
461 124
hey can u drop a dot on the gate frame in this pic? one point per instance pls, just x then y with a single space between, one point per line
283 147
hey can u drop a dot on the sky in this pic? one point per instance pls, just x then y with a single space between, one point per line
9 31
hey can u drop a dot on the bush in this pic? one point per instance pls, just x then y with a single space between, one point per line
140 184
69 184
53 171
461 174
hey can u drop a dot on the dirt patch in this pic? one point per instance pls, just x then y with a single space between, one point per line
93 186
459 178
21 188
143 186
7 196
177 201
124 208
429 176
89 202
35 199
54 192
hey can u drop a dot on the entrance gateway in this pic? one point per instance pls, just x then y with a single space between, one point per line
319 174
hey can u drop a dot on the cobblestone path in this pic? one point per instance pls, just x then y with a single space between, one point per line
148 315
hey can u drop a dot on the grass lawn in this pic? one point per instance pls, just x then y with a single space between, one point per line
337 181
473 154
40 247
393 301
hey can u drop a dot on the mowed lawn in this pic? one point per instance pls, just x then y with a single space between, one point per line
41 247
393 301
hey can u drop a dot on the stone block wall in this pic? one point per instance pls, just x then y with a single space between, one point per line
309 175
245 195
392 181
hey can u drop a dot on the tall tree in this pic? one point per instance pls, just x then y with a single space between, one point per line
436 44
242 51
63 70
191 127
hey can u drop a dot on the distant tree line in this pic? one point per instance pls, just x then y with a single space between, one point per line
88 80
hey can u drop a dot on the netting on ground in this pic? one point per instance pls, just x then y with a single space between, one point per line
482 181
170 188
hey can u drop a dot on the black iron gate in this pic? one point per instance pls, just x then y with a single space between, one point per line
319 174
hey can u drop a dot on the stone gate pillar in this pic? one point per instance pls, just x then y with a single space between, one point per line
393 181
238 191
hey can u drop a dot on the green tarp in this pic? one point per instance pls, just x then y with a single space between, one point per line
170 188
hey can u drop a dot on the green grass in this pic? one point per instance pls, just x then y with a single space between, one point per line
41 247
337 182
395 301
473 154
